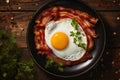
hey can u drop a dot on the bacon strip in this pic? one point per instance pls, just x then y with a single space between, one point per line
40 41
90 43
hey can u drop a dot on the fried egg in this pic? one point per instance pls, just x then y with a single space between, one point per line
58 39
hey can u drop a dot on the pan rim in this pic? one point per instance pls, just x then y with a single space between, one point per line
28 45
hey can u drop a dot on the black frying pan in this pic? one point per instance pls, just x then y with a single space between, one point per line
80 68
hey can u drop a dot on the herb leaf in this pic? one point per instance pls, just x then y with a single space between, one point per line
71 33
50 63
77 39
74 24
82 45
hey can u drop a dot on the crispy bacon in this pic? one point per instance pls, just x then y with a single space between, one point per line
40 41
91 32
90 43
86 21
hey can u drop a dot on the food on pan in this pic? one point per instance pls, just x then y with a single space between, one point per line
65 35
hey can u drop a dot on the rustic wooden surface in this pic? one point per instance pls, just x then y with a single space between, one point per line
19 13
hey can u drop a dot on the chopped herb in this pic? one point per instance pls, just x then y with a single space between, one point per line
78 33
60 69
74 24
82 45
77 39
71 33
50 63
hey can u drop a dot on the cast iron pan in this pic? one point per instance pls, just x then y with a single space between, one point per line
80 68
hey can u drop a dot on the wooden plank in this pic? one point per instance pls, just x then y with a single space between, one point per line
103 4
17 23
109 65
21 5
112 26
111 18
34 5
116 64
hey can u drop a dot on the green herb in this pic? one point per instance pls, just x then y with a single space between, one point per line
50 63
77 39
74 24
11 68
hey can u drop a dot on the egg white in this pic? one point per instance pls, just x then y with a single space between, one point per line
72 52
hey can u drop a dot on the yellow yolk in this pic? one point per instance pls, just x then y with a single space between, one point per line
59 40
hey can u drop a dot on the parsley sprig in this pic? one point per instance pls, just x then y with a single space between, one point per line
77 38
11 65
50 63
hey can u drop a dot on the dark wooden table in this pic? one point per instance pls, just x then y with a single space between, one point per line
17 14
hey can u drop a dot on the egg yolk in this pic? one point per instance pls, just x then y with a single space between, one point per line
59 40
